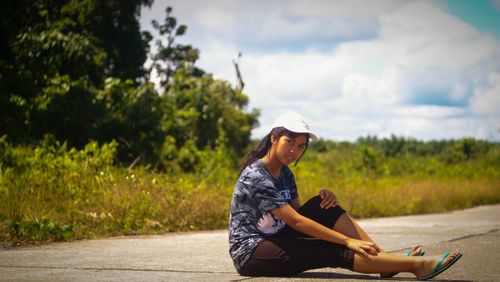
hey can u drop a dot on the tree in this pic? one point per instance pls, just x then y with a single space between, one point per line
199 112
169 58
133 118
74 70
209 112
116 27
68 42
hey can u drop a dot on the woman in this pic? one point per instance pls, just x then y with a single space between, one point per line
272 234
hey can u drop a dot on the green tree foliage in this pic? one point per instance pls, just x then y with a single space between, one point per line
377 156
49 46
74 70
67 109
170 56
202 113
132 116
208 112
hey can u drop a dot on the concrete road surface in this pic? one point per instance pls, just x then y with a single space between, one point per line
203 256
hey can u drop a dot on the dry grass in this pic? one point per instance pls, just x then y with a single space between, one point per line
73 195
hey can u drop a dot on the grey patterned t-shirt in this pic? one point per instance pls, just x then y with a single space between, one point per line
256 194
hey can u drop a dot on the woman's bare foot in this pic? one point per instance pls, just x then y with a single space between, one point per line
415 251
431 268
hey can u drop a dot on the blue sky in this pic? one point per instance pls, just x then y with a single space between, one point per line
483 15
421 69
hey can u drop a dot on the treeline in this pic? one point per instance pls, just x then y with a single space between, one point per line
73 71
397 155
450 151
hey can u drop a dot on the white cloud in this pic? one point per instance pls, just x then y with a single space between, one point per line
398 67
486 99
281 23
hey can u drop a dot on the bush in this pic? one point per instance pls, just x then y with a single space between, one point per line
50 192
40 186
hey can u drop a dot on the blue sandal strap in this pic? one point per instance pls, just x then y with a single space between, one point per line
438 265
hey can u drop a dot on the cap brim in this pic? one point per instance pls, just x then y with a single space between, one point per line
313 136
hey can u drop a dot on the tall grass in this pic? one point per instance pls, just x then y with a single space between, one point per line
51 192
407 184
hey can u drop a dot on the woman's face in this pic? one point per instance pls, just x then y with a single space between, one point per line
289 149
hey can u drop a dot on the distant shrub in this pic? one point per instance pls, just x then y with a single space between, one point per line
49 192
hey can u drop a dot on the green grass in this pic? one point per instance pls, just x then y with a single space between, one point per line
52 193
403 185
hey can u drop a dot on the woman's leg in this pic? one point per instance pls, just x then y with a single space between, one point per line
349 227
335 217
384 262
312 210
342 222
285 256
346 225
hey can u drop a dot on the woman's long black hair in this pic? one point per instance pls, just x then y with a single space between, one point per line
265 144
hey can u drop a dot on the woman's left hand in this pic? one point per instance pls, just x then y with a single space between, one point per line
328 199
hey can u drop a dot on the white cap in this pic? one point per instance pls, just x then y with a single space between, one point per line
295 123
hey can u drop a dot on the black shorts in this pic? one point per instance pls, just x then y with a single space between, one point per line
290 252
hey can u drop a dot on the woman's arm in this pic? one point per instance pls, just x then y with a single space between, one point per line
307 226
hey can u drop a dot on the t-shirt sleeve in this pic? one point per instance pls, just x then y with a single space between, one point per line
267 197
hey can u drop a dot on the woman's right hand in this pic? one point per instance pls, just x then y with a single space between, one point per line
363 248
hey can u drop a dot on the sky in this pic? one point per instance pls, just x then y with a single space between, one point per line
428 70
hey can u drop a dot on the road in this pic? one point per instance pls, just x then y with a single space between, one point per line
203 256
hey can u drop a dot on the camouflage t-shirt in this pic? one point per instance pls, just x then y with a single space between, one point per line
256 194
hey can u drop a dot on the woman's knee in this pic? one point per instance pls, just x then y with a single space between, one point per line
314 204
326 217
314 201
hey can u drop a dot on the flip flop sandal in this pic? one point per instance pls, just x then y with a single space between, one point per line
440 267
417 254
